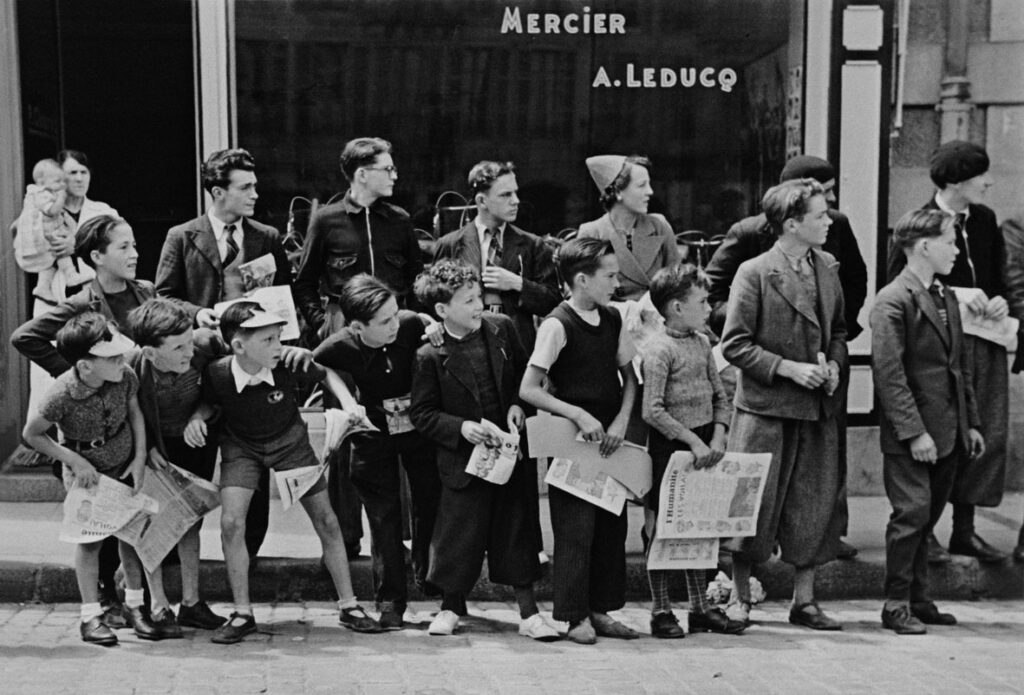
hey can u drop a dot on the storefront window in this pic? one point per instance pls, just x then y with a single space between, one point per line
705 88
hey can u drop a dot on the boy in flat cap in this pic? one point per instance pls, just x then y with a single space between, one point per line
960 172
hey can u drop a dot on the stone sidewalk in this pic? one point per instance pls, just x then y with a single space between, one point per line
301 649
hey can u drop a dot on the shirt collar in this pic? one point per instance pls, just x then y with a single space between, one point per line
219 225
78 389
482 229
244 378
688 333
966 212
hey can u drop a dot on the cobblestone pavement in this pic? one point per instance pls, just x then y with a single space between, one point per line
301 649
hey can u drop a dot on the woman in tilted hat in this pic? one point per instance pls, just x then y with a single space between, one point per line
644 242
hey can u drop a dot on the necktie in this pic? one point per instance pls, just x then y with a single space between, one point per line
229 237
494 249
960 227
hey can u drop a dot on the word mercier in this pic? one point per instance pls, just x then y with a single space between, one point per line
572 23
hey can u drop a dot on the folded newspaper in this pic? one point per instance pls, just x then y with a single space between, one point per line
588 483
495 463
1002 332
557 437
723 500
338 424
698 506
183 500
91 514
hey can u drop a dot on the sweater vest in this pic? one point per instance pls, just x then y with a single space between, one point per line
586 372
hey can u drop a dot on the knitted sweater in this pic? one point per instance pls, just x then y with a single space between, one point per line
682 389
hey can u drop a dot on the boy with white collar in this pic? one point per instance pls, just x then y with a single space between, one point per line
257 396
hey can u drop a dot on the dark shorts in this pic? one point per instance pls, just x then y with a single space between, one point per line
242 463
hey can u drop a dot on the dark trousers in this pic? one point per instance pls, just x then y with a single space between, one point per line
344 498
486 519
376 477
918 493
589 573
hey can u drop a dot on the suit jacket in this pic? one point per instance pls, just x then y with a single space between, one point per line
190 266
768 321
208 347
752 236
34 338
522 253
921 371
987 254
444 395
654 248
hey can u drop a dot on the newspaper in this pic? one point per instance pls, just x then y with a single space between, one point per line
1002 332
259 272
338 424
683 554
183 498
275 300
588 483
723 500
91 514
495 463
556 437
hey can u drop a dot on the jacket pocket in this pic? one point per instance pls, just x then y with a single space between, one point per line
339 269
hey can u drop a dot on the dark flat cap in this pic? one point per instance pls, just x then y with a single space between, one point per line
957 161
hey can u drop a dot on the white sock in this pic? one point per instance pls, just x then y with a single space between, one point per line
90 611
243 610
349 602
133 598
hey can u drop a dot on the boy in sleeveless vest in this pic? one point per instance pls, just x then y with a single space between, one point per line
473 376
584 352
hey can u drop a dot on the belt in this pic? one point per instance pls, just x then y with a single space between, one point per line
81 445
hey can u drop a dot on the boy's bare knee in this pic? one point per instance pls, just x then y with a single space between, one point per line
232 526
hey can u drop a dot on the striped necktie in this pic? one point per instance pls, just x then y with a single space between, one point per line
494 249
232 252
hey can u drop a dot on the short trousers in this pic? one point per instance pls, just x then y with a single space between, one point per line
242 463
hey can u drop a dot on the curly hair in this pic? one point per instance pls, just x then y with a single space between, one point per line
442 280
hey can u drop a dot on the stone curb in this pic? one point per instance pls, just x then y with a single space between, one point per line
289 579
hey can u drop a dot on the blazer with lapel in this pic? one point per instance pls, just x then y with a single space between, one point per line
190 266
921 371
752 236
987 253
34 338
769 320
654 248
522 253
444 395
208 347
